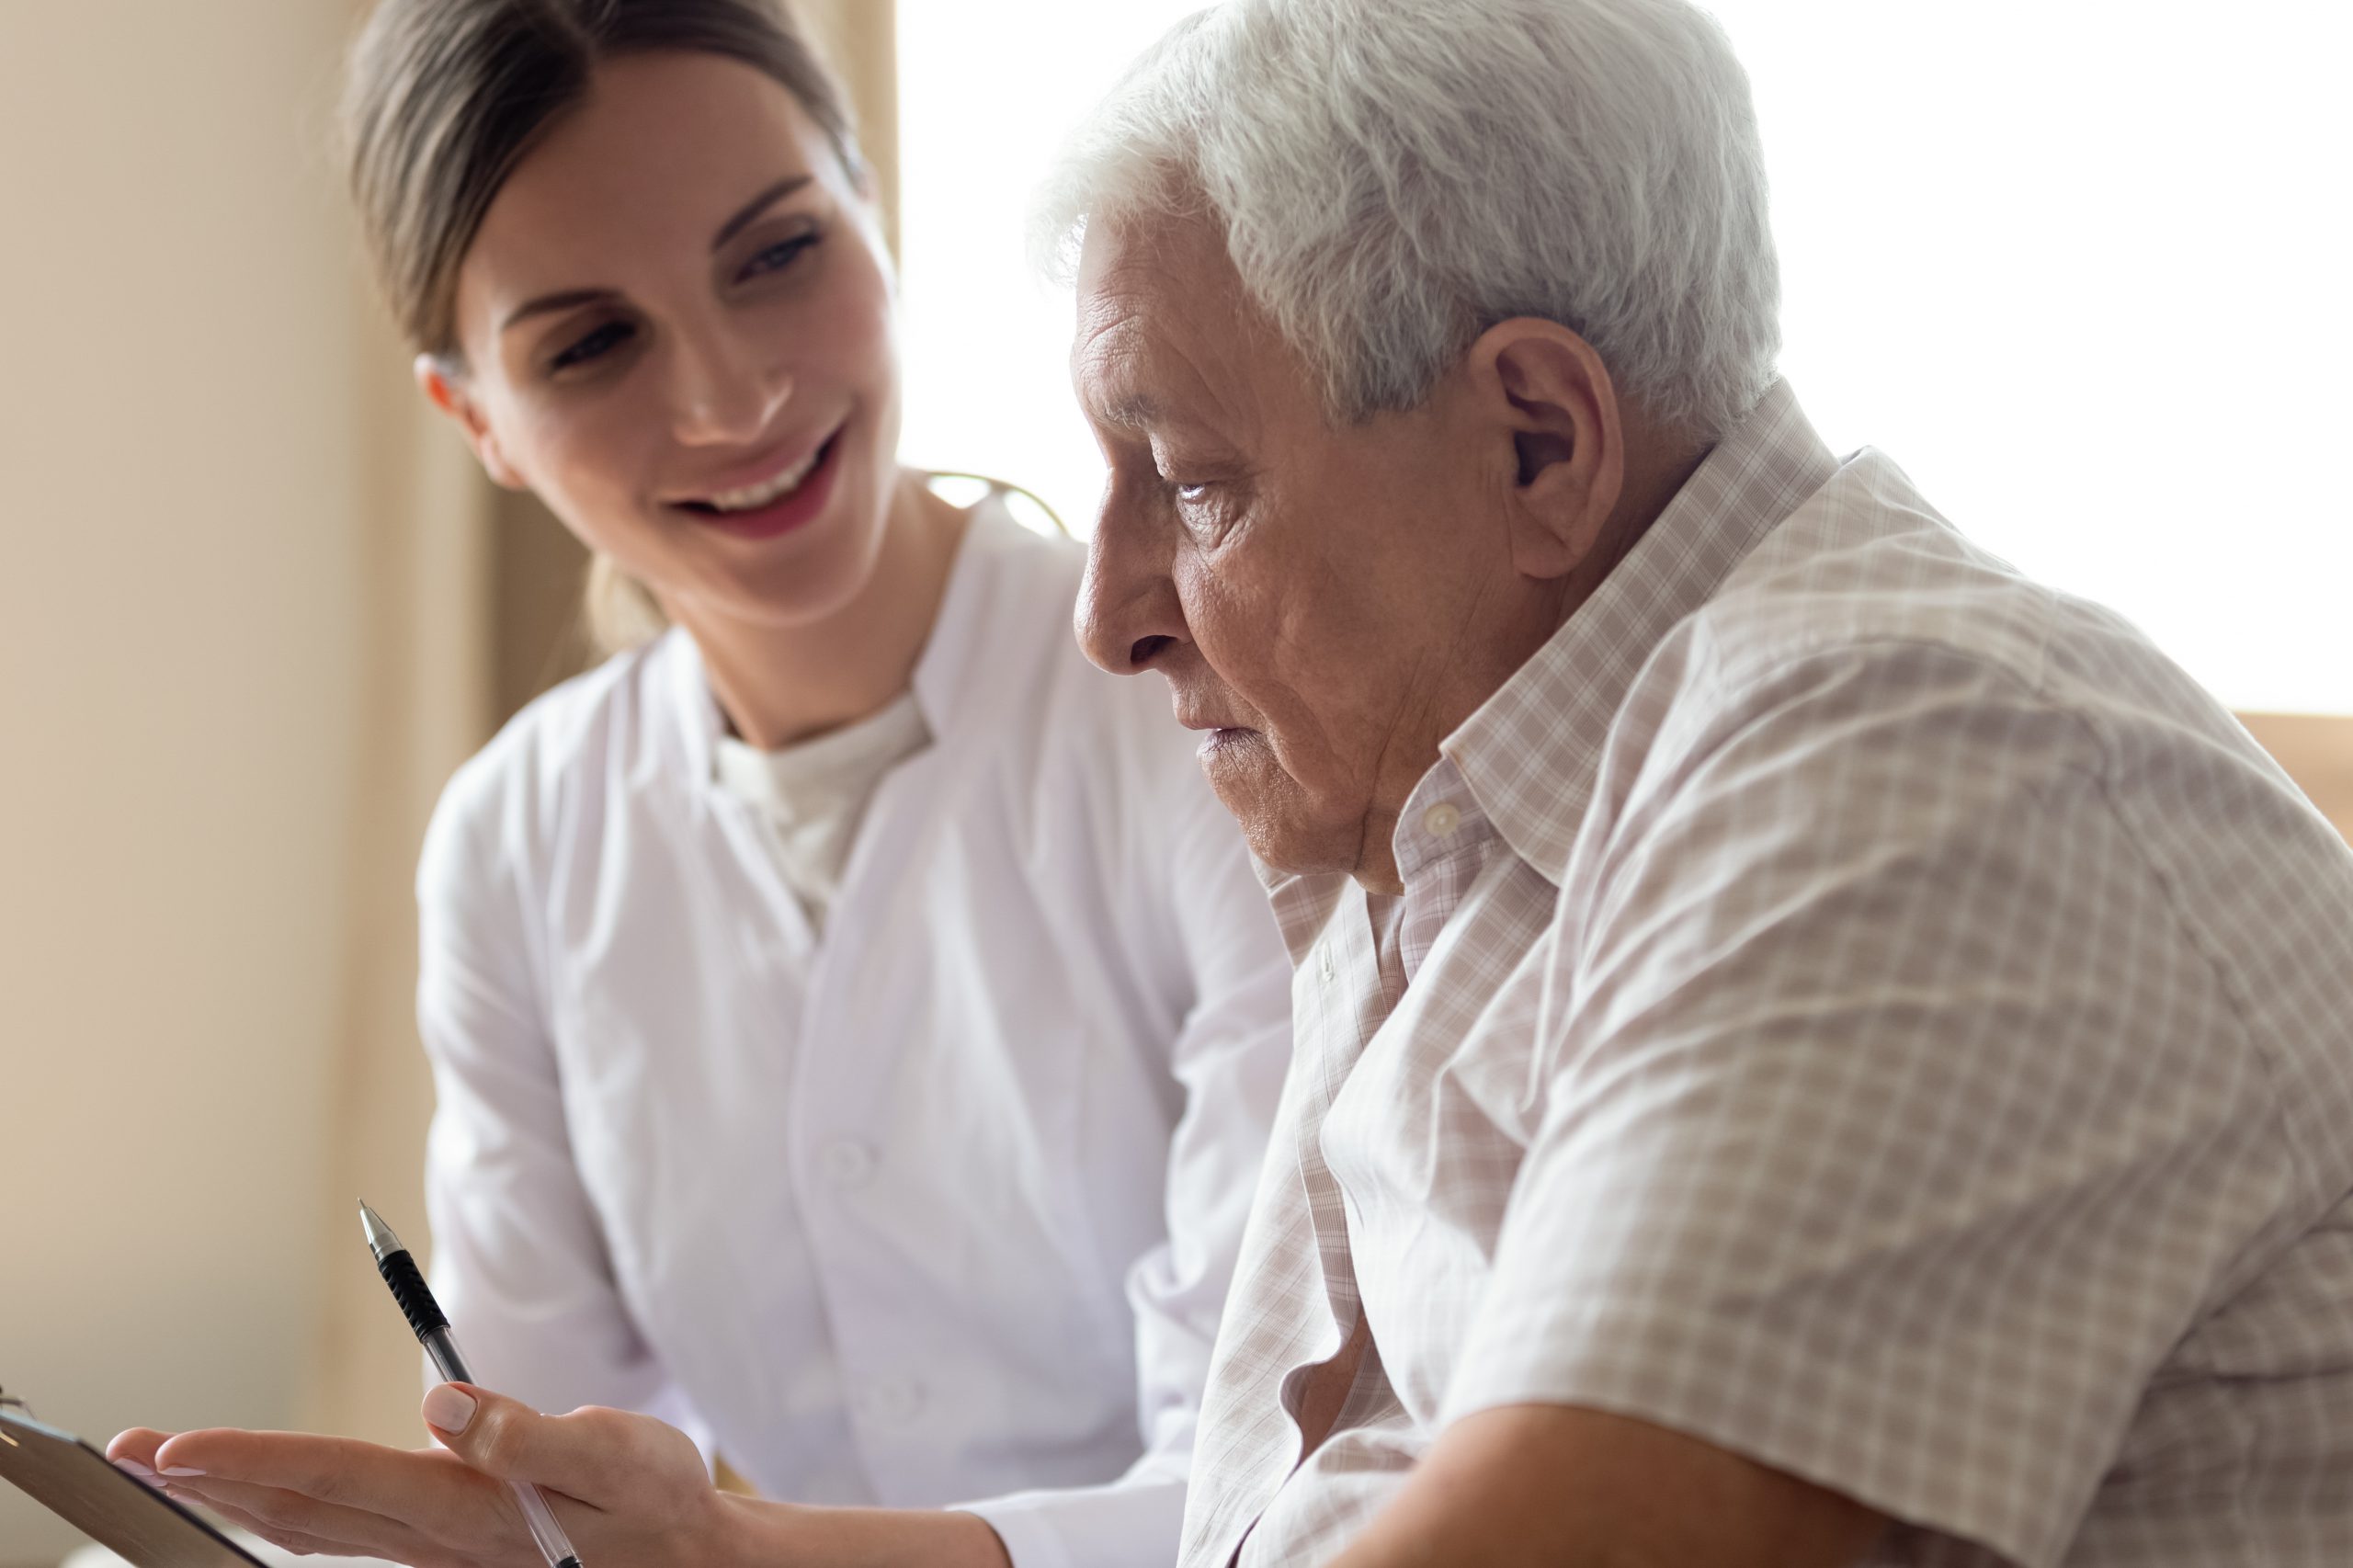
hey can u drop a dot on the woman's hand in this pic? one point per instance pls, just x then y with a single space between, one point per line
627 1488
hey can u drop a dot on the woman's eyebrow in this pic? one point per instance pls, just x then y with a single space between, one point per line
571 298
547 305
757 205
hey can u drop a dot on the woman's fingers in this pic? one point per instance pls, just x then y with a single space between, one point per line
136 1447
394 1482
598 1457
279 1534
275 1512
332 1487
628 1488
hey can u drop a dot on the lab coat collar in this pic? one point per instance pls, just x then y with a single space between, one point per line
952 675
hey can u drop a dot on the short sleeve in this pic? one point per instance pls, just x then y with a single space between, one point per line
1894 1130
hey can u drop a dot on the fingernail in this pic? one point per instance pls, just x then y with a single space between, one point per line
180 1471
447 1409
132 1467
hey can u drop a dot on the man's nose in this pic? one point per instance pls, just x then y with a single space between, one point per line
1128 613
727 390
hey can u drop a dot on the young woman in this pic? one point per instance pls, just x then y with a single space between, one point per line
855 1023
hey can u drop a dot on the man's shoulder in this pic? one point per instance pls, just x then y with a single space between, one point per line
1866 624
1869 583
1867 572
1868 663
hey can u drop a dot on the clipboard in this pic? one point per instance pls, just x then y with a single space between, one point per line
120 1512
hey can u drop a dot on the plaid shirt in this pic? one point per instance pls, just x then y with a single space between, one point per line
1849 1004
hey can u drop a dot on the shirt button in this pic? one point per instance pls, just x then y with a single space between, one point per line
891 1402
1324 964
1442 820
848 1163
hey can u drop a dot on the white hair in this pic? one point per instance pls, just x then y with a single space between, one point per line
1395 177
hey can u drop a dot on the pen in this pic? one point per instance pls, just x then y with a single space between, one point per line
425 1315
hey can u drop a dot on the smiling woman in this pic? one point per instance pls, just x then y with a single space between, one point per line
854 1023
491 79
641 400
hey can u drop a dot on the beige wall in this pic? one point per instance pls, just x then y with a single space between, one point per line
207 667
247 630
2318 753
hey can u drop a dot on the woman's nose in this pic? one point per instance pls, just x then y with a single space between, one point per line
726 392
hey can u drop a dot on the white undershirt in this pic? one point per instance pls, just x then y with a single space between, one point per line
813 795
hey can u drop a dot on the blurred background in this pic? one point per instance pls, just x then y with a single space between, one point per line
2079 266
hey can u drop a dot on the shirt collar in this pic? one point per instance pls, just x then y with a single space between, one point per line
1529 753
1442 818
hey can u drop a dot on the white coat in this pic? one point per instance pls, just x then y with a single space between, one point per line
940 1206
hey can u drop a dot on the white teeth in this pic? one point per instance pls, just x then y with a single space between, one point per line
754 496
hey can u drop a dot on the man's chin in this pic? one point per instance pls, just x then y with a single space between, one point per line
1276 816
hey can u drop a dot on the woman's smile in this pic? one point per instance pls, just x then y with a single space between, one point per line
790 497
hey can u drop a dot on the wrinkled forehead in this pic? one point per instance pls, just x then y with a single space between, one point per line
1167 334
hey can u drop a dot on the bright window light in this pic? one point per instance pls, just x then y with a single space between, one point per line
986 94
2080 266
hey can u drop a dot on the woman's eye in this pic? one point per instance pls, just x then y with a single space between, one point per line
778 257
596 344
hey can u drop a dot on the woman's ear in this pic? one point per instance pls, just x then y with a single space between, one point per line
1546 400
445 387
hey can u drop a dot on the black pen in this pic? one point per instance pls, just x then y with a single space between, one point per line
425 1315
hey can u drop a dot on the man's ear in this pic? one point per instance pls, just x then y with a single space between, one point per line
445 387
1547 399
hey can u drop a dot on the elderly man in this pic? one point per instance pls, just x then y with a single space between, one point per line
1813 1048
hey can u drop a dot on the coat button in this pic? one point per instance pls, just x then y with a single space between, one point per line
891 1402
849 1162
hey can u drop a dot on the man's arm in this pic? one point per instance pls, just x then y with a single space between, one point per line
1895 1130
1562 1487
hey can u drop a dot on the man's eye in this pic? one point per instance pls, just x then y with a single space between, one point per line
778 257
596 345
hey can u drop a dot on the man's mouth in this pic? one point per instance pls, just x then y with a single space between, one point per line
1220 739
1214 730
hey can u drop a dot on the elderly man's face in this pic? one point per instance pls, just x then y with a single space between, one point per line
1325 603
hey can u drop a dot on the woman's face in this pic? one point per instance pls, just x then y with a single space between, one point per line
677 330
